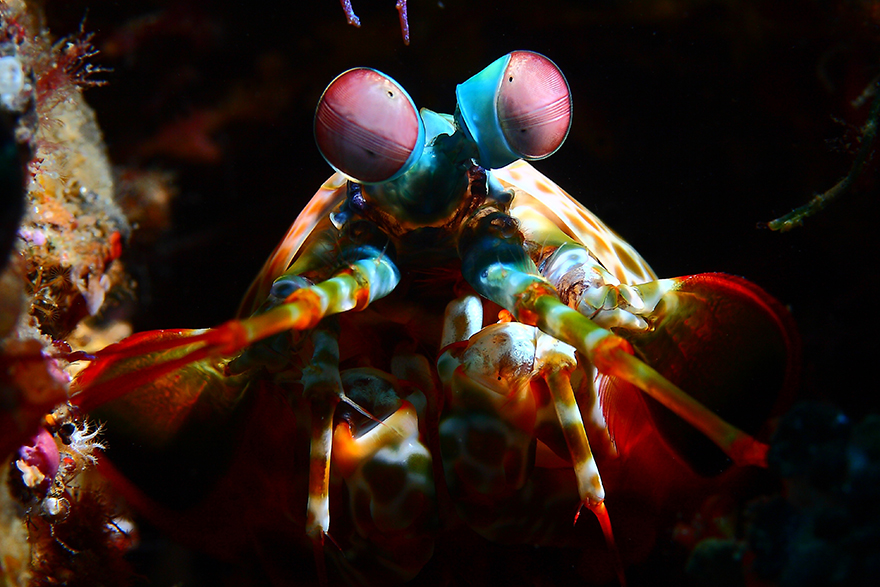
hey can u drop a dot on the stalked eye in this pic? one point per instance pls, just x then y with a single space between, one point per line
367 126
517 108
534 105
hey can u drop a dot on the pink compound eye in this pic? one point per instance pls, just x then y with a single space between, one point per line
367 126
534 105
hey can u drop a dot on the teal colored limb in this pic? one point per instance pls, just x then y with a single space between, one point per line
493 259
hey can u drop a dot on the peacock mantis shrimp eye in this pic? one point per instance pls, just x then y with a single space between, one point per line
534 105
517 108
368 127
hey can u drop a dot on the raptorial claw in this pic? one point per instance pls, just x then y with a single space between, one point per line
496 264
733 348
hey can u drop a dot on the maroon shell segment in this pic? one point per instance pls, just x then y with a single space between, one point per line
534 105
366 125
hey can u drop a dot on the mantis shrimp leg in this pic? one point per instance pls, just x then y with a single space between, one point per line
496 264
498 381
368 275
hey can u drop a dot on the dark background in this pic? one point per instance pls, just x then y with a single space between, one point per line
693 122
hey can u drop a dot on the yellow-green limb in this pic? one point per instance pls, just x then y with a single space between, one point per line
352 288
612 355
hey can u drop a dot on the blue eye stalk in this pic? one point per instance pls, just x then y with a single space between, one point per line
413 165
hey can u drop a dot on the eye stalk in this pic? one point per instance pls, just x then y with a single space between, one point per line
517 108
368 127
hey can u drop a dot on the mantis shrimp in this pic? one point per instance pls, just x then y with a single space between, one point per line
445 337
